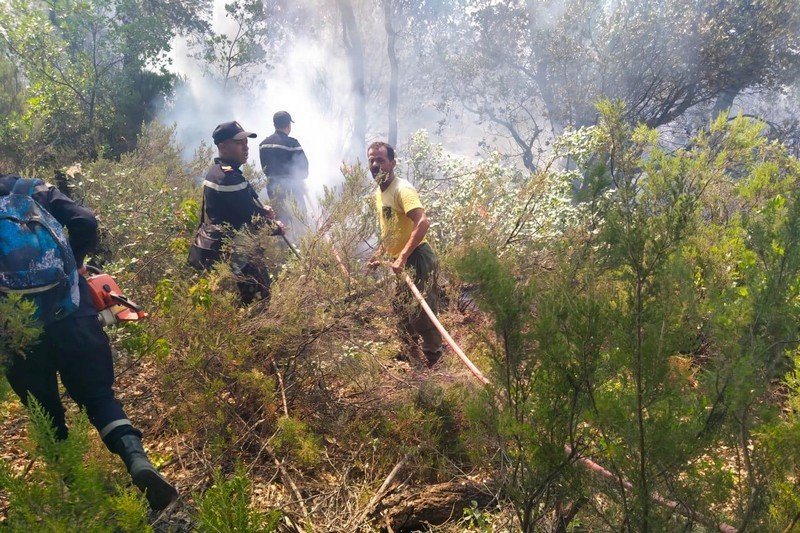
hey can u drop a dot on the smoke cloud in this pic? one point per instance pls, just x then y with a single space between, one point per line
305 80
311 80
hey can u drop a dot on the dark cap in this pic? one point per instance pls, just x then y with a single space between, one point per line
281 119
230 130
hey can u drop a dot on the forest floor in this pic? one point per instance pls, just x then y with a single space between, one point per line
188 464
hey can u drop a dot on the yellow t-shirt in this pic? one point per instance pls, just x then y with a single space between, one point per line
393 204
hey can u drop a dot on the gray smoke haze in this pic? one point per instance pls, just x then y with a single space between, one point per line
311 80
202 103
512 75
297 83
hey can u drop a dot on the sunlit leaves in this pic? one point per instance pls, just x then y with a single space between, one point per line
18 329
93 69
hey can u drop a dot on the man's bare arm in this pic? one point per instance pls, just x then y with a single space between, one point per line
421 225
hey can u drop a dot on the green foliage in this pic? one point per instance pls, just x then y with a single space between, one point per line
476 519
654 336
210 370
234 58
95 72
642 304
67 490
296 440
780 441
147 205
490 202
535 411
18 328
5 388
646 319
225 507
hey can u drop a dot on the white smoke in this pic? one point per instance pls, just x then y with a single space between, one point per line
309 78
305 80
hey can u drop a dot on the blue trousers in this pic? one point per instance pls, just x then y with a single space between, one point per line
78 350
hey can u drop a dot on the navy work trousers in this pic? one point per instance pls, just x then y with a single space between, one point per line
77 348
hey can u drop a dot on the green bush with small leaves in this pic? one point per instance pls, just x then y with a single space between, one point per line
225 507
654 338
18 328
65 488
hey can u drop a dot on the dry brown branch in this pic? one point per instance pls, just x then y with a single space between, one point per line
283 389
383 488
417 507
290 482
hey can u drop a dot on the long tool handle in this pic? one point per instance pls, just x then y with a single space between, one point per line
291 246
445 334
679 508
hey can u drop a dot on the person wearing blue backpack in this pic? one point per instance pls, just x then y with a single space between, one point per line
38 261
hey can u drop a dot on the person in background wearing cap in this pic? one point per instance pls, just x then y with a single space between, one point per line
229 204
286 167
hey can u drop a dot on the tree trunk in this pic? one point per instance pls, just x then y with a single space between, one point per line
565 515
394 74
724 102
644 488
413 508
354 47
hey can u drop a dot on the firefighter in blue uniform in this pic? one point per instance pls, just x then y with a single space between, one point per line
230 204
286 166
77 348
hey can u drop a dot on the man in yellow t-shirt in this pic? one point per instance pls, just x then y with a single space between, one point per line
403 224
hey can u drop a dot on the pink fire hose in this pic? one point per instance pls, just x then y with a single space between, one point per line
448 339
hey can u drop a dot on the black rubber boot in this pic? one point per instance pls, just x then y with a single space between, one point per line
157 490
431 358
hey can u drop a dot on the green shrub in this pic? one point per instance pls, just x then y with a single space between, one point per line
653 337
68 490
294 439
148 210
225 507
489 203
18 328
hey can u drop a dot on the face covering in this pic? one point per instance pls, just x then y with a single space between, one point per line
378 175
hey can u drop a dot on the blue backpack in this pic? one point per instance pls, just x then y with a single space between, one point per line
35 257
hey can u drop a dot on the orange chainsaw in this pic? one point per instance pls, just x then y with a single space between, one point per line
112 306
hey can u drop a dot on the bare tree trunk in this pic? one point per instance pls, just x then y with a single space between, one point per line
724 102
354 46
394 74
